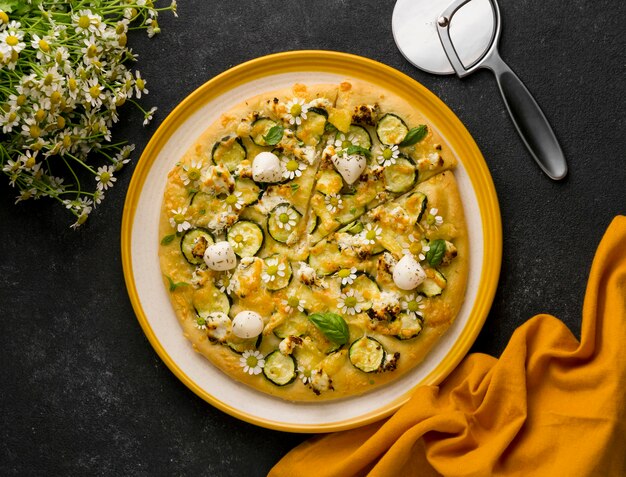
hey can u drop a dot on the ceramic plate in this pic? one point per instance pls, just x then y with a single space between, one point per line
140 240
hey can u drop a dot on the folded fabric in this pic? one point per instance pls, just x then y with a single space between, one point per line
550 406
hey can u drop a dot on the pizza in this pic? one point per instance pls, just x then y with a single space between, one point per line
313 241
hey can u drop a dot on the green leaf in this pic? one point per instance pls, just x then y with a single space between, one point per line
328 127
332 325
436 252
7 6
414 136
274 135
294 187
168 239
358 150
174 286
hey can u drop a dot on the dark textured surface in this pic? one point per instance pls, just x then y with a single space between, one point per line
83 392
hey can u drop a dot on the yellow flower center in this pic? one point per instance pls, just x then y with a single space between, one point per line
60 122
4 18
231 199
30 163
92 50
141 84
44 46
12 116
296 110
67 141
84 21
272 269
284 218
292 165
412 305
122 40
178 218
194 174
21 100
415 248
48 79
370 235
94 91
293 302
334 201
238 238
252 361
387 154
350 302
343 273
40 115
430 219
72 84
55 97
12 40
346 144
105 177
35 131
201 321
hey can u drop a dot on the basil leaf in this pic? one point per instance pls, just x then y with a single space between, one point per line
414 136
436 252
174 286
274 135
332 325
168 239
358 150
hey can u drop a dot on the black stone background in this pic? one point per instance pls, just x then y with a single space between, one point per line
82 392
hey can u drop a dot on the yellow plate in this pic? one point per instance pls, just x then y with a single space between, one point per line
140 240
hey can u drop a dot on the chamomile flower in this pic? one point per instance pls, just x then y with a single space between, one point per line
412 305
140 85
371 233
306 375
293 303
147 117
272 269
252 362
287 218
225 283
94 92
105 178
333 203
11 39
292 168
200 323
347 275
296 111
350 302
388 155
433 219
234 202
179 220
191 173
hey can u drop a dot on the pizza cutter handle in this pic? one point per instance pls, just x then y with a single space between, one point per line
529 120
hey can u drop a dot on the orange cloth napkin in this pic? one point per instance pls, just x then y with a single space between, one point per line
550 406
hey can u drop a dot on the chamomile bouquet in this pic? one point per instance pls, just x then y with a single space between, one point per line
64 77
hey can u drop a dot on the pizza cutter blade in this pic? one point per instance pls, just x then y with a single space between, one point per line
443 37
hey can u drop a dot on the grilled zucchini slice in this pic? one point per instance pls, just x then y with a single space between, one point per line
273 266
296 325
329 182
434 284
249 190
401 176
410 327
280 222
391 129
239 345
280 369
366 286
260 128
193 244
311 129
246 238
359 136
367 354
229 152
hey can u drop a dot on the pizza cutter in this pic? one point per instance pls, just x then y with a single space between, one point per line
461 37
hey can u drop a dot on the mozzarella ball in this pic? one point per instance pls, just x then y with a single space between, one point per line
266 167
350 167
247 324
220 256
408 273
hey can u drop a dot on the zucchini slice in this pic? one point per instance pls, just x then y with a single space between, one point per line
193 244
296 325
246 238
239 345
283 220
249 190
433 285
229 152
367 287
359 136
217 301
329 182
391 129
401 176
310 131
348 214
260 128
313 223
279 368
352 228
409 327
416 205
367 354
273 266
